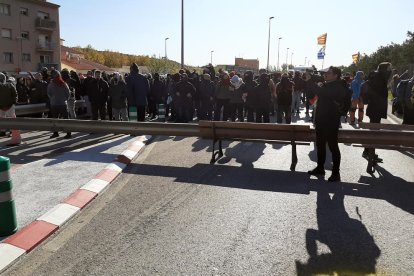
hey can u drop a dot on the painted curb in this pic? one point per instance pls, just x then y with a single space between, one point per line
32 235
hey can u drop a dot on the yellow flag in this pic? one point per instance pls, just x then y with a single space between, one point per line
355 58
322 39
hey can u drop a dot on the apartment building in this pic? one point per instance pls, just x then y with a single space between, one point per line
30 37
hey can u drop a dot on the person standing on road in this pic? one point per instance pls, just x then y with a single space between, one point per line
297 92
263 93
58 93
249 88
327 119
8 99
206 98
138 90
184 91
284 95
236 99
118 95
98 94
357 102
377 96
222 96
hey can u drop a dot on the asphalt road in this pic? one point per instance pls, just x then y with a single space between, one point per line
173 213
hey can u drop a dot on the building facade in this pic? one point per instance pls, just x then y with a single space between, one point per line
30 35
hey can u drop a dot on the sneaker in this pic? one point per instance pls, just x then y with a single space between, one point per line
67 136
335 177
2 133
54 135
317 171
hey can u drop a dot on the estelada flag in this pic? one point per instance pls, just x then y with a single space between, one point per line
322 39
355 58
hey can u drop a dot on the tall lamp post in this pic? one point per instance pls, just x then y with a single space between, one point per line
278 47
211 57
182 33
305 60
166 47
291 57
268 44
287 54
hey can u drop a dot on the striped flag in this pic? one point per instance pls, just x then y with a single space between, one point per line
355 58
322 39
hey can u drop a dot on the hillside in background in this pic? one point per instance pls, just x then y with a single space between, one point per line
116 60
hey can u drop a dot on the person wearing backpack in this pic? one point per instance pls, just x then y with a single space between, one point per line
332 97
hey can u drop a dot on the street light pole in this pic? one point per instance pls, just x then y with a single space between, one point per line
211 57
278 47
305 60
166 47
287 54
291 57
268 44
182 33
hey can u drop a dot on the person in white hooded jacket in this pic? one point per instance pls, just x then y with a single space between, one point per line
236 99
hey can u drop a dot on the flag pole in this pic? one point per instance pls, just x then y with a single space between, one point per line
326 40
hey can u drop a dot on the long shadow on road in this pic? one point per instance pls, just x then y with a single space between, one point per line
352 248
393 189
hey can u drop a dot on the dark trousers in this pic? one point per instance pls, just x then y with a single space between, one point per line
284 110
329 136
262 112
141 113
237 110
250 113
221 103
206 110
59 111
98 109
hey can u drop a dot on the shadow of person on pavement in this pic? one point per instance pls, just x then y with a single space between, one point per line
244 153
352 249
391 188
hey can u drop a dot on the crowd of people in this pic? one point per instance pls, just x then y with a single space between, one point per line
221 96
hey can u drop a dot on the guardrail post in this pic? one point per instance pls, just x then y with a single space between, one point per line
161 112
133 115
8 223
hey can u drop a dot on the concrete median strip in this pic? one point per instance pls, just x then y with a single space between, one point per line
32 235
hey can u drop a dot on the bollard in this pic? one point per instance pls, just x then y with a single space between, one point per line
8 223
133 113
161 112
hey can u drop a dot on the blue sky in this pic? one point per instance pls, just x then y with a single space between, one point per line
237 28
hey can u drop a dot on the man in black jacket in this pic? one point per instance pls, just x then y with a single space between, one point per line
97 90
331 93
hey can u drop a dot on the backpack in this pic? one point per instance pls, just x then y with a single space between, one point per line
402 88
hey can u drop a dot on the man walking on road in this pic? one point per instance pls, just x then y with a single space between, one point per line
138 90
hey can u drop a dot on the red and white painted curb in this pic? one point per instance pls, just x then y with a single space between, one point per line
27 238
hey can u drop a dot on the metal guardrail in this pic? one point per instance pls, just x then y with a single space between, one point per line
212 130
28 109
88 126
